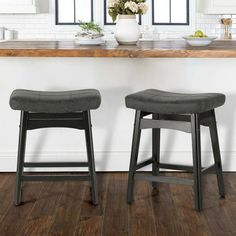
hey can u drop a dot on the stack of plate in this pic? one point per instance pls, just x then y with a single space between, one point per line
89 38
89 41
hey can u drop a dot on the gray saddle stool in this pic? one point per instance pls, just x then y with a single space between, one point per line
183 112
69 109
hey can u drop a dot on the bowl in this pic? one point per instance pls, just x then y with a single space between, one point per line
89 41
199 42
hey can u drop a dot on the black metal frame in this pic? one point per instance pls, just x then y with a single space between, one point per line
71 23
169 23
185 123
105 16
31 121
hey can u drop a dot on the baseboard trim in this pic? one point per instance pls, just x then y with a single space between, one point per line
111 161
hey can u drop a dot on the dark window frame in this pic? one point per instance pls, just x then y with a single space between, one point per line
71 23
172 24
105 16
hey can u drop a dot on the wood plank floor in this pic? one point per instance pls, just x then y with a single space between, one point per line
64 208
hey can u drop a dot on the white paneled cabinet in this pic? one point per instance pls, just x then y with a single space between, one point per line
22 6
217 6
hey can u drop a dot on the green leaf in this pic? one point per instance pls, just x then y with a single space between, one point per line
91 26
114 18
113 15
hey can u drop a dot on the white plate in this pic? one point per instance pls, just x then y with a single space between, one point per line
89 41
199 42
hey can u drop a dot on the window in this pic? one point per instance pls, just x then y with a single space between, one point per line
164 12
108 19
72 12
170 12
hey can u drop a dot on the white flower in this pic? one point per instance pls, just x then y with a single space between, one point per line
132 6
113 3
143 7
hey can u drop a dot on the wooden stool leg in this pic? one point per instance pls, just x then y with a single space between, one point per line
196 143
217 156
155 150
90 153
21 157
134 156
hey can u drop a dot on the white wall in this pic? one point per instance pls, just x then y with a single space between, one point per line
41 26
112 123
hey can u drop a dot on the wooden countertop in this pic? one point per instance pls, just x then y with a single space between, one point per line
158 49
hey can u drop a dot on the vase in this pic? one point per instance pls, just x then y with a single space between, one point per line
127 30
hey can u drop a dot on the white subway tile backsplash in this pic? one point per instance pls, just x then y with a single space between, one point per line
43 26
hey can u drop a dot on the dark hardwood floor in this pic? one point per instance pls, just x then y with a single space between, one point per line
64 208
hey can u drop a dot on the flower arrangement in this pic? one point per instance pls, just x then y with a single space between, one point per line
126 7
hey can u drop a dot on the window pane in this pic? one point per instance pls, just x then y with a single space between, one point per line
169 12
162 11
83 10
179 11
73 11
108 18
65 11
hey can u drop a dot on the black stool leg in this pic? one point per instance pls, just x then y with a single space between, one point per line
134 156
155 150
217 156
21 157
90 153
196 143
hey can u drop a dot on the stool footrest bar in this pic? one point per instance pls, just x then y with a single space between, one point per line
209 169
164 179
55 164
144 163
39 178
176 167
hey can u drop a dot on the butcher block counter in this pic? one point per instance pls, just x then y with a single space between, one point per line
157 49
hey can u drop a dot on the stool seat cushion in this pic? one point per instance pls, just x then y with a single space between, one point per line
55 102
161 102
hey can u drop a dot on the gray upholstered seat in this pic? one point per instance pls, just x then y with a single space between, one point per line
162 102
55 102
